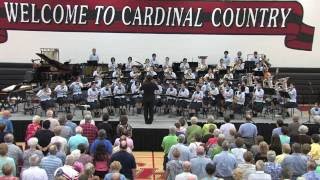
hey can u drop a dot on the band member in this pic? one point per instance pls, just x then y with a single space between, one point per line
62 94
229 75
136 96
238 62
148 87
166 64
94 57
98 77
255 57
119 97
105 97
129 64
258 100
226 58
147 64
184 65
210 74
292 100
154 62
188 74
196 101
259 67
183 96
240 98
92 98
228 96
76 88
213 93
151 72
171 99
169 74
117 74
112 65
135 73
203 66
45 97
221 65
158 94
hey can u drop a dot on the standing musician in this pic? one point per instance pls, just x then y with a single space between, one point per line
238 62
183 96
94 57
92 98
239 99
228 96
154 62
148 87
184 65
255 57
105 97
76 88
258 96
119 97
226 58
210 74
166 64
171 101
147 64
129 64
45 97
292 100
62 94
112 65
196 101
136 96
97 76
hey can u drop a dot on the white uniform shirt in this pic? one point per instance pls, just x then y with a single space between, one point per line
209 75
151 73
158 92
76 87
172 92
94 57
128 66
183 92
44 95
135 90
119 89
226 60
184 66
228 76
255 59
34 173
315 111
112 66
92 94
241 98
258 95
197 96
293 95
61 90
154 62
221 66
214 91
105 91
228 95
206 87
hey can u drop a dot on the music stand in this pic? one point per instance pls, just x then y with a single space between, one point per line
92 63
269 91
258 73
284 94
249 66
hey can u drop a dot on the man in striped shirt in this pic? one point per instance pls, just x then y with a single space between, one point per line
51 163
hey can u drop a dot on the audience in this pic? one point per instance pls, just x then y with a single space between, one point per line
14 151
66 131
259 174
239 150
210 170
67 169
174 166
199 163
6 121
101 140
77 139
193 130
33 127
114 172
302 137
315 147
186 174
107 127
71 124
209 125
185 154
51 162
294 126
277 130
286 149
89 130
271 167
247 167
44 136
227 127
6 162
34 172
167 143
32 144
53 121
248 131
311 174
123 124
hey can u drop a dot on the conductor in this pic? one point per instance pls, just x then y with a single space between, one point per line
148 87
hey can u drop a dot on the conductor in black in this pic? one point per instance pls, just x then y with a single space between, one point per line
148 87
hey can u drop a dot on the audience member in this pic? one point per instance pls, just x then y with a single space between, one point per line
32 144
315 147
311 174
100 159
44 136
284 138
89 130
77 139
255 148
67 169
66 131
193 146
6 121
107 127
59 139
210 170
51 162
84 120
186 174
88 172
2 132
7 173
116 147
185 154
84 157
33 127
114 172
226 127
259 174
277 130
14 151
275 144
174 166
6 162
218 147
247 167
124 135
263 150
239 150
210 124
123 124
53 121
237 174
179 129
101 140
294 126
34 172
193 130
305 149
271 167
166 144
209 135
71 124
248 131
286 149
199 163
302 137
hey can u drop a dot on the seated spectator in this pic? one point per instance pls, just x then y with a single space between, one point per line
224 162
311 174
67 170
277 130
89 130
262 154
185 154
44 136
77 139
14 151
33 127
59 139
294 126
255 148
186 174
123 124
296 163
286 149
2 133
284 138
84 157
199 162
167 143
275 144
210 124
6 121
53 121
210 170
60 154
247 167
32 144
237 174
34 172
71 124
238 151
193 130
6 162
124 135
174 166
302 137
101 159
259 174
107 127
51 162
271 167
315 147
7 172
101 140
88 172
66 131
114 172
193 146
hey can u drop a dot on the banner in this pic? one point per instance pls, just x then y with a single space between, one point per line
164 17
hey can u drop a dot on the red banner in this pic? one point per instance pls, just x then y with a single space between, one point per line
166 17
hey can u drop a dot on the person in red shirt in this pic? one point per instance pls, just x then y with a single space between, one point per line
33 127
89 130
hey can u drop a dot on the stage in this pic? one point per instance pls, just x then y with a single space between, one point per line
148 137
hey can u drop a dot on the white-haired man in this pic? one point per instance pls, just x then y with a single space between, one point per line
89 130
77 139
67 170
32 144
34 172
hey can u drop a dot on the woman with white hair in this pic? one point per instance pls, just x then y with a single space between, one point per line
33 127
32 144
302 137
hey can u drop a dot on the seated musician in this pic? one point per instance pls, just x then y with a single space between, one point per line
171 101
228 75
315 113
129 64
255 57
259 67
119 96
238 62
136 96
135 73
92 98
292 100
228 96
240 98
213 93
184 65
158 94
182 103
151 72
169 74
105 97
154 62
196 101
97 76
258 96
62 94
76 88
117 74
147 64
188 74
166 64
94 57
226 58
221 65
203 66
205 88
45 97
210 74
112 65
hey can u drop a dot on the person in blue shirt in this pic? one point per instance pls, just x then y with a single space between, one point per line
5 120
101 140
311 174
